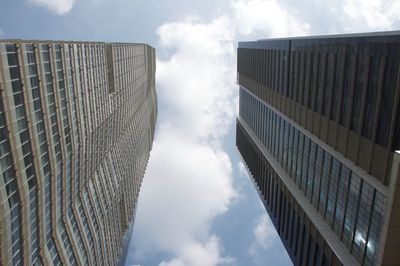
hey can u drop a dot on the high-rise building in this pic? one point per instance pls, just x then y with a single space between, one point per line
319 131
77 121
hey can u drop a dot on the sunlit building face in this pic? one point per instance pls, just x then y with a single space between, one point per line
77 122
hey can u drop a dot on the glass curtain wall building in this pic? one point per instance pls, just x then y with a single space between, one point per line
319 131
77 121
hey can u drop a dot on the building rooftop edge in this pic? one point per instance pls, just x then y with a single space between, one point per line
68 41
327 36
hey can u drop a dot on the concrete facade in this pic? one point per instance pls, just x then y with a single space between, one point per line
77 122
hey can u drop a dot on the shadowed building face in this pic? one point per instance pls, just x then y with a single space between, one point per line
318 128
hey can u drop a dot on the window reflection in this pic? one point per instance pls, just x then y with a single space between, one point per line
329 185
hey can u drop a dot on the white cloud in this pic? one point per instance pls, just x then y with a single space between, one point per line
264 235
188 181
57 6
371 14
189 177
186 185
242 169
198 77
197 254
267 18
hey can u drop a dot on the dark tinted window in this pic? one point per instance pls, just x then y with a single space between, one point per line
396 139
387 96
337 84
348 78
371 95
358 93
319 93
314 75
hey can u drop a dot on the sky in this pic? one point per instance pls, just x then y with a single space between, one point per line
197 205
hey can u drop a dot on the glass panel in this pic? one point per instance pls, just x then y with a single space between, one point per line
333 188
387 96
371 96
306 155
317 176
299 159
311 167
348 81
361 72
351 210
319 95
363 216
375 229
337 85
343 188
294 160
324 183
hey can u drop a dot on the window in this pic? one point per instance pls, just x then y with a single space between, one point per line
337 84
360 235
311 167
375 229
299 159
351 210
308 72
314 77
387 96
320 89
301 76
396 139
12 59
343 187
14 73
294 158
18 99
333 185
327 91
324 183
317 176
345 109
361 73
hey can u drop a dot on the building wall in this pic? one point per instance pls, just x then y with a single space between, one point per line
344 90
299 235
321 115
73 151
